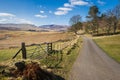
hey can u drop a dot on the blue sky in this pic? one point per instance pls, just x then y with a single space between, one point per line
42 12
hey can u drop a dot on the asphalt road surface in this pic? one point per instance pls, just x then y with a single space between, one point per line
93 64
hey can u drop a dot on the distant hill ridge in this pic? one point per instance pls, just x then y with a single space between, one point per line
54 27
33 27
18 26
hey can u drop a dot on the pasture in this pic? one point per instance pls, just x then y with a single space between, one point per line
111 45
9 39
60 63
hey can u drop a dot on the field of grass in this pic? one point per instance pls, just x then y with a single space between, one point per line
111 45
59 63
10 39
16 37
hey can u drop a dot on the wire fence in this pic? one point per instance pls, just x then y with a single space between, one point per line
36 51
41 51
51 54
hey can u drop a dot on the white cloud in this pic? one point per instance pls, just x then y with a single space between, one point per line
64 9
11 18
6 15
73 3
68 5
41 16
61 12
15 20
41 11
3 20
79 2
101 2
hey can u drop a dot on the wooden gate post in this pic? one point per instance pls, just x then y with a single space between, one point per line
23 50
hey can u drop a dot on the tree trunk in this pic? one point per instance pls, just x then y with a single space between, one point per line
109 29
97 29
115 27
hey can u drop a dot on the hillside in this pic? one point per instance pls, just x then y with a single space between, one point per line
54 27
18 27
30 27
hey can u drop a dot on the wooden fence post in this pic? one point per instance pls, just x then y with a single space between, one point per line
23 50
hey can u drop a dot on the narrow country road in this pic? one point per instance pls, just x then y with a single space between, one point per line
93 64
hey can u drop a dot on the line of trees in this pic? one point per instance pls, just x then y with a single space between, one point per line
98 23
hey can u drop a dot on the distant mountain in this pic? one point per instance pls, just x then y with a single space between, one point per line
18 27
9 28
30 27
54 27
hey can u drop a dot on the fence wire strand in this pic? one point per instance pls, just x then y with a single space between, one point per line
39 51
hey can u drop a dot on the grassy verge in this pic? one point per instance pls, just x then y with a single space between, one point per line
69 55
111 45
70 59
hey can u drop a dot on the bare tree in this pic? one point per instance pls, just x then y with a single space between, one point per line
116 11
75 19
116 17
75 23
113 17
108 18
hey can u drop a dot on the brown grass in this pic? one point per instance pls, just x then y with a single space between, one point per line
16 37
